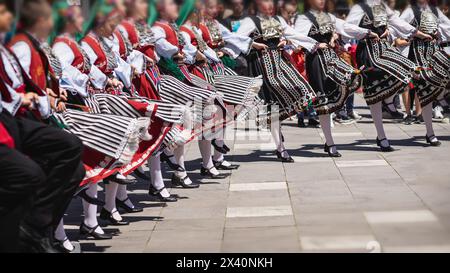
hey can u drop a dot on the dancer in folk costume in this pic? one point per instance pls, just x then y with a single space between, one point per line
145 77
284 88
332 78
386 72
207 103
239 91
135 31
429 54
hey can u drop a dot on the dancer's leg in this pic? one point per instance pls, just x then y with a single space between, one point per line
60 235
110 200
205 151
377 116
156 176
90 210
427 113
325 123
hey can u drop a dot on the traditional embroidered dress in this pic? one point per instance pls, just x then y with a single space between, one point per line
148 80
102 54
283 84
386 71
429 54
193 91
332 78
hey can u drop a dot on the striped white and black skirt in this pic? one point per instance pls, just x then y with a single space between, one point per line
115 136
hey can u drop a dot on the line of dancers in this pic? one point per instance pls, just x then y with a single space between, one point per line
95 100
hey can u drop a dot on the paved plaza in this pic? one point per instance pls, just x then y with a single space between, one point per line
366 201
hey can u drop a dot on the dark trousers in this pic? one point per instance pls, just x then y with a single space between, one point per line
47 162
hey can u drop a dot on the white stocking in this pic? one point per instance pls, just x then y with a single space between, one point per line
156 175
110 200
123 195
90 210
276 135
205 151
427 114
60 235
325 123
377 116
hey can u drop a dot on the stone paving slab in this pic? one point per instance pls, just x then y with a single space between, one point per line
366 201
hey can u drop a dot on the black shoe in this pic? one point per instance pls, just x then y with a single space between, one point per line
177 181
284 159
88 231
91 200
157 193
433 143
219 166
173 166
313 122
207 172
123 205
60 246
418 119
114 179
33 241
387 149
141 175
108 216
394 114
328 150
221 150
408 120
301 123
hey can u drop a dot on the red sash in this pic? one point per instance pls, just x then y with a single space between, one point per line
102 60
122 45
78 60
171 35
38 64
191 34
133 35
206 35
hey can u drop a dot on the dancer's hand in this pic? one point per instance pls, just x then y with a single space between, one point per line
423 36
51 93
149 61
178 57
29 99
282 44
63 94
323 45
61 107
385 34
259 46
220 54
200 57
373 35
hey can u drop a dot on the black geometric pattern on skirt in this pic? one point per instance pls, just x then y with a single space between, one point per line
435 77
283 85
331 78
387 72
384 56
